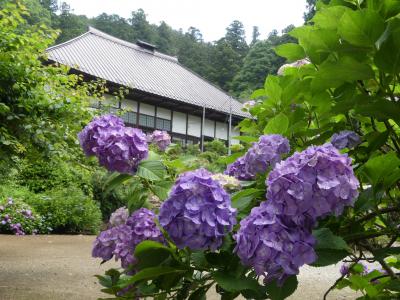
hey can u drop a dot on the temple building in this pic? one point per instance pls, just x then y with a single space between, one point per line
163 94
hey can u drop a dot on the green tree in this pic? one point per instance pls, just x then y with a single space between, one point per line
164 40
114 25
236 37
260 62
41 106
141 27
226 62
255 35
70 25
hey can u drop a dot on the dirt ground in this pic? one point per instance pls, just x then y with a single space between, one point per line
59 267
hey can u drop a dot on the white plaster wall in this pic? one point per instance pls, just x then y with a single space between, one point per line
179 122
234 132
163 113
194 126
209 126
221 131
147 109
129 104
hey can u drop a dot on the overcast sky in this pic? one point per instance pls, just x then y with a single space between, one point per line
210 16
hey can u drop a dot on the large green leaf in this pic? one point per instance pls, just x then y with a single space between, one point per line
278 124
329 17
161 189
276 292
332 74
114 180
328 257
151 254
151 273
233 284
327 240
243 198
361 27
152 170
381 169
386 58
290 51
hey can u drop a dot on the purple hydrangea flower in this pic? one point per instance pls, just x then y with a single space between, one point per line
93 132
119 216
27 213
104 245
121 241
160 138
142 227
266 152
344 269
198 212
313 183
345 139
238 170
17 229
117 147
10 201
273 245
122 149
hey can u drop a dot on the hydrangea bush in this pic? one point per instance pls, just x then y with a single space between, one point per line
331 196
19 218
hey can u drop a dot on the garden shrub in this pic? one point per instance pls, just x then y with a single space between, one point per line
216 146
68 210
20 218
46 175
108 202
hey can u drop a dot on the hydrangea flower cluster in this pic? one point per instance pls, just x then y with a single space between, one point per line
198 212
263 154
228 182
237 169
119 217
345 139
249 105
276 237
274 245
312 184
160 138
120 241
118 148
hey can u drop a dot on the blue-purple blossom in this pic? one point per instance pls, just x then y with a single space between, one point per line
237 169
273 245
91 135
122 149
313 183
198 212
345 139
263 154
344 269
121 241
160 138
17 229
266 152
119 216
118 148
105 243
10 201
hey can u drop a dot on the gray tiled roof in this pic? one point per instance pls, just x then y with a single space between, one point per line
104 56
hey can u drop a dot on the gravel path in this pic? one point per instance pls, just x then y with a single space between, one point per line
59 267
